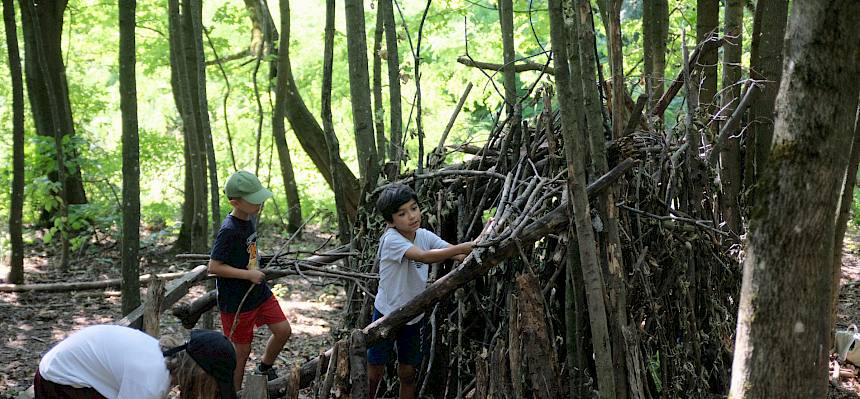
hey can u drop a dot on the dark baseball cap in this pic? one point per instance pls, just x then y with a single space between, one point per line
215 355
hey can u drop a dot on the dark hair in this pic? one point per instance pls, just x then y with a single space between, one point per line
392 198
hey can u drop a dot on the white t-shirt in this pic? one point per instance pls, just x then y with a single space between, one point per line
401 279
118 362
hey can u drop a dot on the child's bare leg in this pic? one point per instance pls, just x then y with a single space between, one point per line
374 375
242 353
407 376
281 332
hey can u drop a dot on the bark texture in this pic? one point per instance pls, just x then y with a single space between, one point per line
16 207
785 302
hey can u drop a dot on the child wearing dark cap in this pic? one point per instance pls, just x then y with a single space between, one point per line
235 261
107 361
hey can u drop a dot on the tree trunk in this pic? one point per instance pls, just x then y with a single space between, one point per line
205 124
263 32
609 238
184 80
579 208
16 208
391 52
378 109
311 135
506 22
730 157
765 66
707 21
57 96
343 223
612 11
845 204
783 331
655 27
43 34
294 213
130 158
359 92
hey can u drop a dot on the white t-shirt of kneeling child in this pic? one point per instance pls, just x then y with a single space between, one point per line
401 279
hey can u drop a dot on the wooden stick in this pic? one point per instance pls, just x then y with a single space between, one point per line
711 44
436 156
152 308
255 387
521 66
176 289
358 364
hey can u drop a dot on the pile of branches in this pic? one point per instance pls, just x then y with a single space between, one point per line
517 330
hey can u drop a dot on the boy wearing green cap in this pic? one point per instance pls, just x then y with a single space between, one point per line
235 262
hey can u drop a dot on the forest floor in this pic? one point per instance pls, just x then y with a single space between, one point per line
33 322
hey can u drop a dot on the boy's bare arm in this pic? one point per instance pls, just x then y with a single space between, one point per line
222 269
438 255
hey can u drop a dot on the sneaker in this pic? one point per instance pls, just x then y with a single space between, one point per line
270 374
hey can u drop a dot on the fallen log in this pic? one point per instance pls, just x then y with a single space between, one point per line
190 313
83 285
174 291
475 265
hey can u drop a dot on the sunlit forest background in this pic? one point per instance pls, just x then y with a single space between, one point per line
451 29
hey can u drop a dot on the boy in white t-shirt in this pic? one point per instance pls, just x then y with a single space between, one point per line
405 250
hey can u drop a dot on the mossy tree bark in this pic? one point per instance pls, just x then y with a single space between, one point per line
783 331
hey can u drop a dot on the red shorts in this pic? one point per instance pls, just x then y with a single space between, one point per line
269 312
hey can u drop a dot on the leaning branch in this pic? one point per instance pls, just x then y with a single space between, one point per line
519 67
475 265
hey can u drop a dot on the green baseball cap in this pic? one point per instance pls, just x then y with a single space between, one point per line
245 185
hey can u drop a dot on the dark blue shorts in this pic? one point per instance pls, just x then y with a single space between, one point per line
408 340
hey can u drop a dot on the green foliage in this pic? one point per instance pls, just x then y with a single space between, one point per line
451 28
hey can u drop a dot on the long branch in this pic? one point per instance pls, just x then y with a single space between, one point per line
475 265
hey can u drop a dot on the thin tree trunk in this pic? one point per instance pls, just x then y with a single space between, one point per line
784 316
294 213
359 91
343 224
378 111
625 376
655 27
506 22
574 151
576 323
612 11
730 158
391 52
419 111
130 158
845 205
16 207
707 21
184 81
204 123
771 17
312 138
192 39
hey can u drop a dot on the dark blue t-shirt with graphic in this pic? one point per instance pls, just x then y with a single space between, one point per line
236 245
